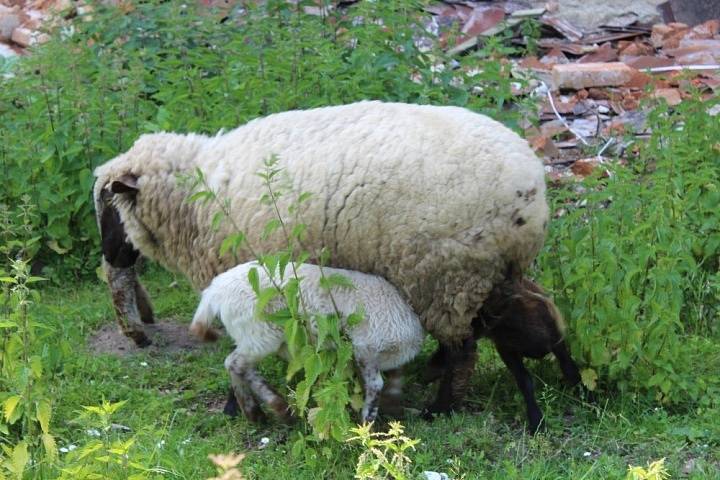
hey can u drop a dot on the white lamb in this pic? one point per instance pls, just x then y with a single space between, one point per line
389 336
437 200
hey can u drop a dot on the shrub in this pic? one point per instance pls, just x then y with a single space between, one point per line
634 264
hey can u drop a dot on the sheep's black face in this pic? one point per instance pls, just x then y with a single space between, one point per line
116 249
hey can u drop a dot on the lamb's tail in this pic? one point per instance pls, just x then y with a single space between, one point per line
202 321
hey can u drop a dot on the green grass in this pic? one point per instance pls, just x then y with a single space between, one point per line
169 398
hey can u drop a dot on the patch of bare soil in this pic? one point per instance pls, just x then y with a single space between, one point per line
167 335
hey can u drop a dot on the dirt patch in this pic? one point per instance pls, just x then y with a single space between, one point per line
167 335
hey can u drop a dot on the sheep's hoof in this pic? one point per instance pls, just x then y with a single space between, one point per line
148 318
140 339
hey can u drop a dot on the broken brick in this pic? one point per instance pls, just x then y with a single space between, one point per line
584 168
671 95
636 49
639 80
584 75
647 61
554 57
26 37
668 36
606 53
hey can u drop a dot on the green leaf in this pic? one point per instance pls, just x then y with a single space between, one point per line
49 444
9 406
357 317
19 459
589 378
270 227
254 280
43 413
232 242
265 296
327 282
36 366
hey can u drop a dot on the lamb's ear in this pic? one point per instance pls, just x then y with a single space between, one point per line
125 184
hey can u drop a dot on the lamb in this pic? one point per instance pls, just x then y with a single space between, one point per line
389 336
522 321
437 200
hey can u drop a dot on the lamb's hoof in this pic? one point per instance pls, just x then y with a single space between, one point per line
147 318
140 339
255 415
231 409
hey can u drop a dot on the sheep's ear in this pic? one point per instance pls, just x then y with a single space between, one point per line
125 184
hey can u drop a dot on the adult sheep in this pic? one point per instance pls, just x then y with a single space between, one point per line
437 200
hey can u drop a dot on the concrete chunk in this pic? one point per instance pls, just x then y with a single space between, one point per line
585 75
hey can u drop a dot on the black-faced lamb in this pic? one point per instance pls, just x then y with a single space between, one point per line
389 336
437 200
522 321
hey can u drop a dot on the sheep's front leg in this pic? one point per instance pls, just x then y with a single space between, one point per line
373 385
143 304
123 285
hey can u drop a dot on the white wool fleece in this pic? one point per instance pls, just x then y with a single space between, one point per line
437 200
389 336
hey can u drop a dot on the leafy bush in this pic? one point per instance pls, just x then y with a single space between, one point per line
81 99
634 264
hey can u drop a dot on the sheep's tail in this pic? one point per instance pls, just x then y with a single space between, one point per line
202 321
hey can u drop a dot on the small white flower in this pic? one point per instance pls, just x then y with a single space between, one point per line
143 364
186 441
161 444
264 442
587 454
67 449
93 432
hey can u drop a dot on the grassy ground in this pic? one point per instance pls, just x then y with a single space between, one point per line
173 402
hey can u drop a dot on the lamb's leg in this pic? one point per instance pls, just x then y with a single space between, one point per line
567 364
236 364
267 394
514 362
391 397
143 304
459 367
373 384
231 405
570 370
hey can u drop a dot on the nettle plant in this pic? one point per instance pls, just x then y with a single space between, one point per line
634 261
26 408
320 354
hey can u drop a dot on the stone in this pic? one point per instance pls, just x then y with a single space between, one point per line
26 37
585 75
590 14
9 21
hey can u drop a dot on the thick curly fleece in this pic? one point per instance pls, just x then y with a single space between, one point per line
389 336
437 200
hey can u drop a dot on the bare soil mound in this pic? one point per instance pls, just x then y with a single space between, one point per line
167 335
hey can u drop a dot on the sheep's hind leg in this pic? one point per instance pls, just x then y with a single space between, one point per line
513 361
144 305
242 393
373 385
459 367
